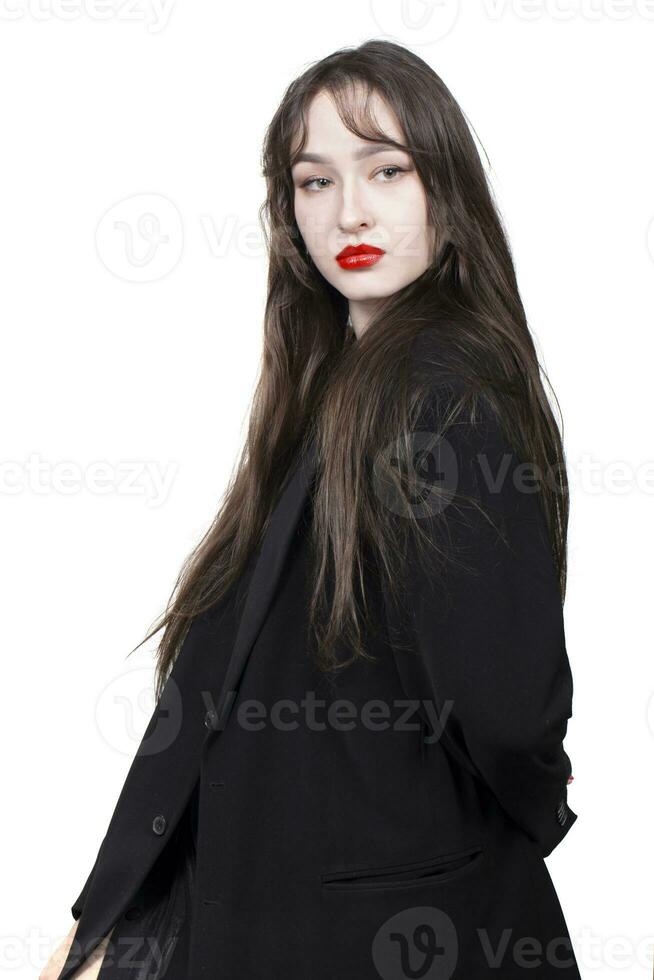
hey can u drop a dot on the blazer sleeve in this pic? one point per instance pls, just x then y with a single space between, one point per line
181 668
489 626
78 904
179 677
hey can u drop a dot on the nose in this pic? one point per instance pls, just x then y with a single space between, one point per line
354 211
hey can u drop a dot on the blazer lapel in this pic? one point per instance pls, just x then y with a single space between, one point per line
266 575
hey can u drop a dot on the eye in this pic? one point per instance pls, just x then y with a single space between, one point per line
312 180
396 170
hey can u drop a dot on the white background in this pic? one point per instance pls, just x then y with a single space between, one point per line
128 354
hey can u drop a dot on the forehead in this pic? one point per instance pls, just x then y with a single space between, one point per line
327 134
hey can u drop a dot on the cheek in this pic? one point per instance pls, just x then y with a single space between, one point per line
406 215
298 211
311 218
410 232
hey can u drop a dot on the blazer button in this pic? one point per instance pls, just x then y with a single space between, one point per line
159 824
210 718
133 913
562 812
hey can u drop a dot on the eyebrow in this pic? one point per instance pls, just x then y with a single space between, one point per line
365 151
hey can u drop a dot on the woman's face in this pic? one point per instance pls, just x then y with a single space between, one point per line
349 191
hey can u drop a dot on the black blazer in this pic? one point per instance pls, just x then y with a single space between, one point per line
414 850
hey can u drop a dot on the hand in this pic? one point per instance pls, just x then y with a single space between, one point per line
92 966
52 968
89 969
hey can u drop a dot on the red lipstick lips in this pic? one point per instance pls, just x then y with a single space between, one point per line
359 256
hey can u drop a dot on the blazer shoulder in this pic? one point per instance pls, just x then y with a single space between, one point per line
437 366
448 396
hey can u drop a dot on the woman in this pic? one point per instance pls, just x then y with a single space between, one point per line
364 662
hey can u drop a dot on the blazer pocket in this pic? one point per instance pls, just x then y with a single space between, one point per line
431 871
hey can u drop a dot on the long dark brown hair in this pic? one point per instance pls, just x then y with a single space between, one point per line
356 396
